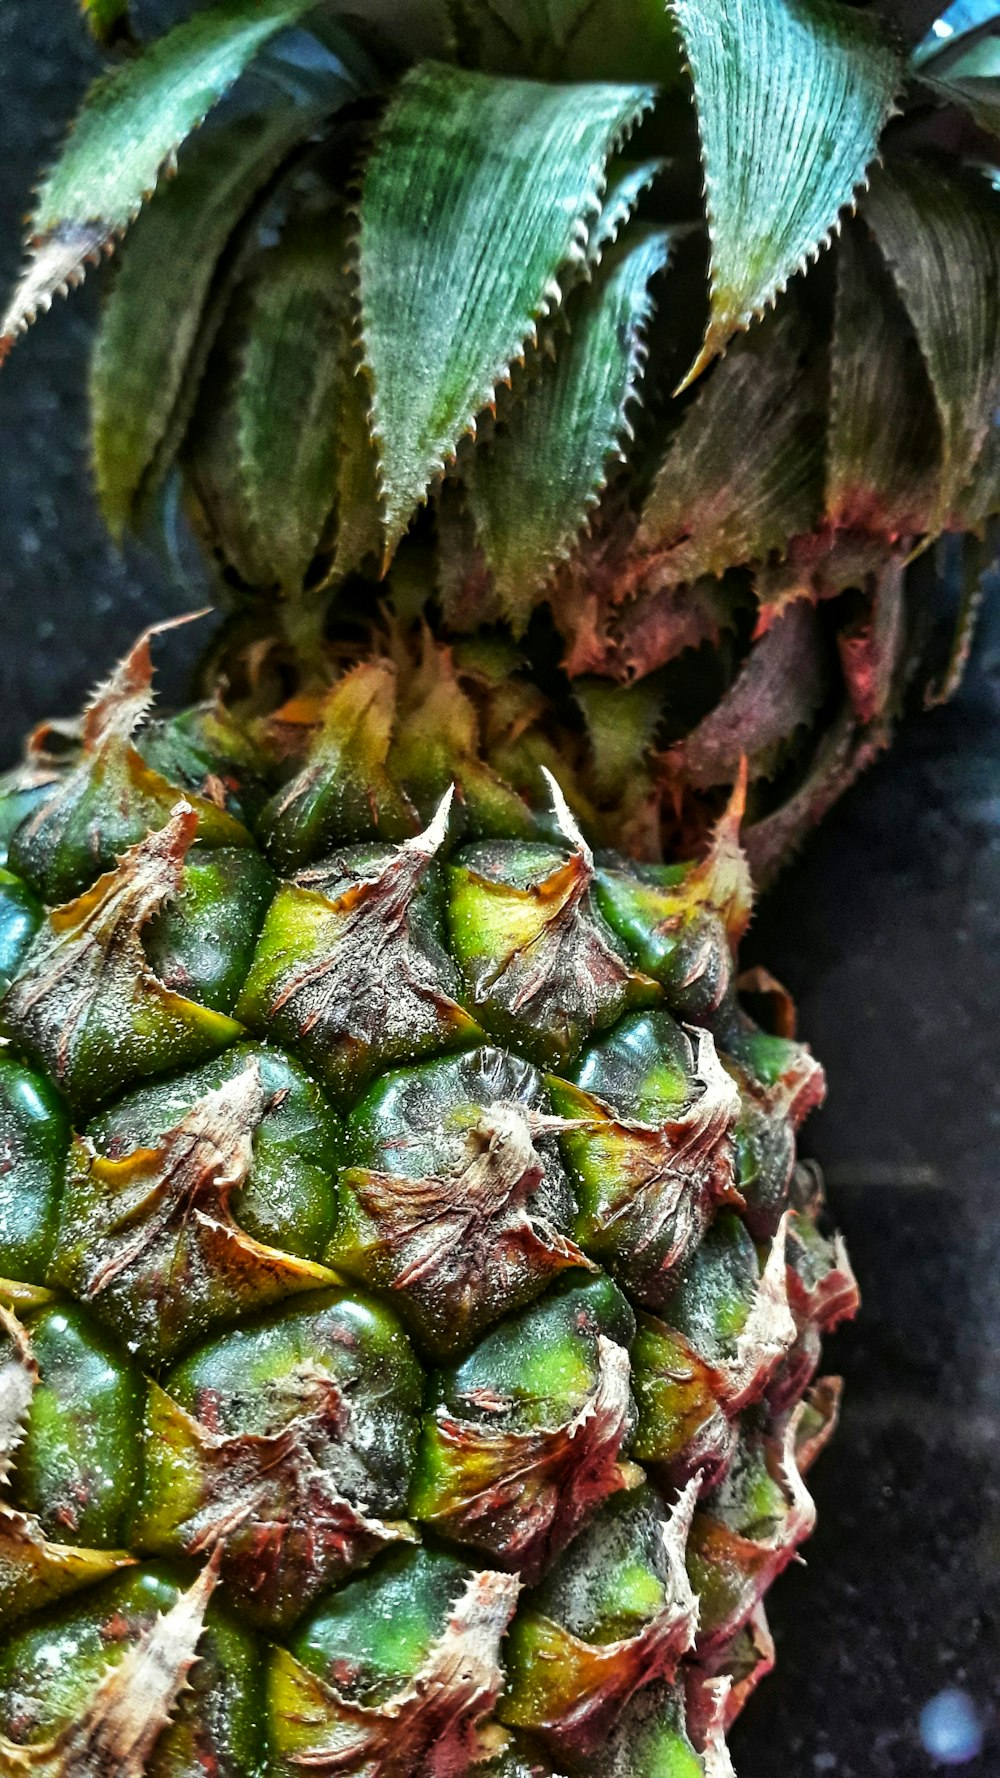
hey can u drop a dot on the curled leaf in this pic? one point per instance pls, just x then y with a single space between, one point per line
169 296
883 436
286 406
743 472
777 692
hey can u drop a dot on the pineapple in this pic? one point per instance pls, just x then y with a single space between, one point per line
411 1297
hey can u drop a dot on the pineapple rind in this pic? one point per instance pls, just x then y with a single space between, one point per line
413 1330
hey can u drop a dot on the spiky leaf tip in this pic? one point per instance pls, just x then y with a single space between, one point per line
133 122
479 195
792 97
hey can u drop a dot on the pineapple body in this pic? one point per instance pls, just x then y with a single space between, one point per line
411 1299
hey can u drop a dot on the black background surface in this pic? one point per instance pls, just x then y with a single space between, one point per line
887 930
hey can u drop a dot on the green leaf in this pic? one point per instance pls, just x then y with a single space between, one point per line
159 320
108 19
883 438
359 511
532 488
980 500
621 721
568 39
625 40
286 396
972 82
133 121
744 470
479 194
627 181
940 237
212 462
517 36
792 96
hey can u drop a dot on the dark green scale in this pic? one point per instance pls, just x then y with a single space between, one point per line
80 1462
315 1262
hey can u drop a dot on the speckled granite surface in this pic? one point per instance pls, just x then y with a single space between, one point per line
888 930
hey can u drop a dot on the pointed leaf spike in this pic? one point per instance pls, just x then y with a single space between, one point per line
133 121
566 819
18 1377
429 843
792 97
477 200
132 1704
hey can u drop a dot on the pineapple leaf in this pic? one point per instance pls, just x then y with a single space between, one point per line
777 691
980 500
479 194
843 754
973 82
883 438
621 721
940 238
286 408
626 182
516 36
531 489
743 471
568 39
133 122
159 322
108 19
359 513
791 96
978 560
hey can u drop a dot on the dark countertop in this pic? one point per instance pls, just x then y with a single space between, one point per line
888 931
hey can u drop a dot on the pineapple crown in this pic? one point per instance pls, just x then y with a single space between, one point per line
495 324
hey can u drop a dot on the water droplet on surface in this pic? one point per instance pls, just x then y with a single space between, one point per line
951 1728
